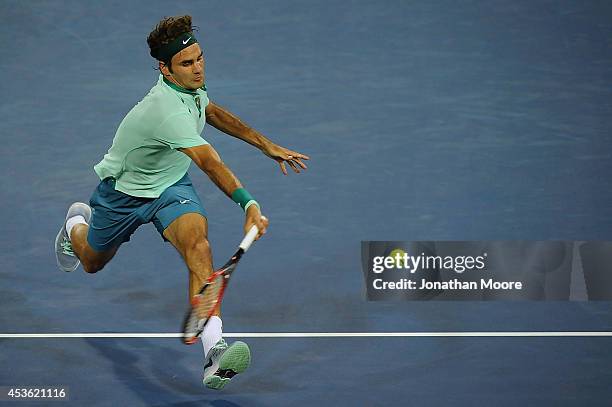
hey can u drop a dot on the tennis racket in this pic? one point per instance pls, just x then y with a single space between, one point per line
206 301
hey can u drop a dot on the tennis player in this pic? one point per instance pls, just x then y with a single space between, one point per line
144 179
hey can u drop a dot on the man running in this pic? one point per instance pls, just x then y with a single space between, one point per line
144 179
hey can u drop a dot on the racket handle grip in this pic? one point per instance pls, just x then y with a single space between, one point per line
249 238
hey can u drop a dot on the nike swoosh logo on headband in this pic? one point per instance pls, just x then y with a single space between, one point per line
186 41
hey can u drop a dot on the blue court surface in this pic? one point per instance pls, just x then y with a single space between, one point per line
424 120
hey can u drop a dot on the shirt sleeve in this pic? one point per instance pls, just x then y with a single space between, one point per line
178 131
205 100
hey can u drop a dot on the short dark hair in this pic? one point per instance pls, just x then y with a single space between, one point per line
167 30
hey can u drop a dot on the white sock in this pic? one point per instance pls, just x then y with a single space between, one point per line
75 220
212 333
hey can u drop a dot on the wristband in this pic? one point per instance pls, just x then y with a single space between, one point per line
242 197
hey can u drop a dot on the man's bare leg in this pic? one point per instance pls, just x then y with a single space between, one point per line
189 234
71 247
91 260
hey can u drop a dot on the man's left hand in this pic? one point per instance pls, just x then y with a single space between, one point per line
283 155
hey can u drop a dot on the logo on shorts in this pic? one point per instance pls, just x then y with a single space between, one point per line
184 201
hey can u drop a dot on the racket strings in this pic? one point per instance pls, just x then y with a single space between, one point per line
208 300
192 326
203 306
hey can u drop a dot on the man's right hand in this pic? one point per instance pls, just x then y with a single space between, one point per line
254 217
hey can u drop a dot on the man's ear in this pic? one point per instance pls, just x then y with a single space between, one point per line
163 68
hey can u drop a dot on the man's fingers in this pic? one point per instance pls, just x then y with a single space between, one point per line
282 165
295 154
293 159
260 233
301 163
262 226
294 167
261 229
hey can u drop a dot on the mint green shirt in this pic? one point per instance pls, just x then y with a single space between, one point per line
144 157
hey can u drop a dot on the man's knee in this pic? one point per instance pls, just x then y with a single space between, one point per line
92 266
94 263
197 245
188 233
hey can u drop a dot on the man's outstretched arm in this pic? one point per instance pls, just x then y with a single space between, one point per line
228 123
206 157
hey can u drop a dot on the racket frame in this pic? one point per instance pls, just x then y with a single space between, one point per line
226 272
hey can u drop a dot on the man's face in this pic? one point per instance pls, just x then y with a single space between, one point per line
187 68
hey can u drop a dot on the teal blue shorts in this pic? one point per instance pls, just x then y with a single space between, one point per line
115 215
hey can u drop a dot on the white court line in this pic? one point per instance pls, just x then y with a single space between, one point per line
313 334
